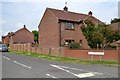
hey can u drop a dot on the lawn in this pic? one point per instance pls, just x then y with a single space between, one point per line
64 59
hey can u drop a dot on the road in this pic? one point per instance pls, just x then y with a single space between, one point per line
20 66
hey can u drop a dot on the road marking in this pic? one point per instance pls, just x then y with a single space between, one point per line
51 76
64 70
81 70
22 64
6 58
74 69
83 75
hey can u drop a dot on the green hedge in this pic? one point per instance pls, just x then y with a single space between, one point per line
74 45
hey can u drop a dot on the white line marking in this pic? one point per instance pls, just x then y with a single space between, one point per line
81 70
6 58
51 76
64 70
22 64
83 75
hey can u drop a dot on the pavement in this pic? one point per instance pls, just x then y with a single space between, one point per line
20 66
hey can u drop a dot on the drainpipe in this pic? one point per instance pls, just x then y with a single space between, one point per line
59 37
59 33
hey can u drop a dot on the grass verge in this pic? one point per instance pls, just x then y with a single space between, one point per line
64 59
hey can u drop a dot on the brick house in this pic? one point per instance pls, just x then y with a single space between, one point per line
23 35
5 40
115 26
60 26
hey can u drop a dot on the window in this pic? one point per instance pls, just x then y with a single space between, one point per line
70 41
70 25
67 25
73 26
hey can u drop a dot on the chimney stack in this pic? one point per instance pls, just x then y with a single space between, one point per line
65 8
24 26
90 13
8 33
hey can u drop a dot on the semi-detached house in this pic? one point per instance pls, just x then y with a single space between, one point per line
60 26
22 35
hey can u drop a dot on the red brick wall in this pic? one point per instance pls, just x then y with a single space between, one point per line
49 30
22 47
77 54
109 55
33 50
28 47
118 52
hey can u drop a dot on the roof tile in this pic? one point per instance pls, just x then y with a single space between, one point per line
71 16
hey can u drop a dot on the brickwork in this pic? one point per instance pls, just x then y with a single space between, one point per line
52 32
109 55
49 30
75 35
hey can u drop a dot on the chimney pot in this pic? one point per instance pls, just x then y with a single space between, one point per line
8 33
90 13
24 26
65 8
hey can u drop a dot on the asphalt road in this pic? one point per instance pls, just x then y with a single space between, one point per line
20 66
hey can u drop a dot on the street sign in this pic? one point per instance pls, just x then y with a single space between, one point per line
96 53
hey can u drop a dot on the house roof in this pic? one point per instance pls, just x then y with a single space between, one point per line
116 26
21 37
3 37
24 28
8 35
71 16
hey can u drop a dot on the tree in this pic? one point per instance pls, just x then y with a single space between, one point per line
117 35
97 38
109 35
103 34
35 32
89 23
115 20
93 36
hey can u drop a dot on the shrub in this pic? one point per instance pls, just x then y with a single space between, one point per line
113 45
74 45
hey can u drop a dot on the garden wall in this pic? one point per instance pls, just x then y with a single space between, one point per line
109 55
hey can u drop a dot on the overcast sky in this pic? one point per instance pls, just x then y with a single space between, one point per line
15 13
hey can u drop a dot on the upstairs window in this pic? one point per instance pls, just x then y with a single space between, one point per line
70 26
73 26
